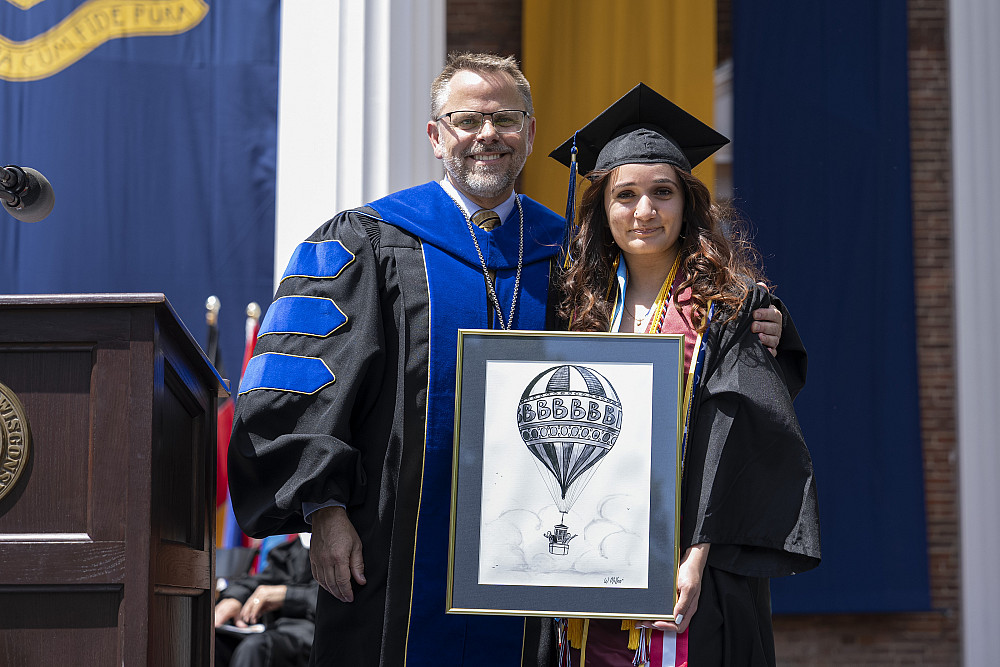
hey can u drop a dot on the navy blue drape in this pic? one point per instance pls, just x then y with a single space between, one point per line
822 171
161 150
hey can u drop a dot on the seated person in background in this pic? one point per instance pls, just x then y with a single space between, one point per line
283 599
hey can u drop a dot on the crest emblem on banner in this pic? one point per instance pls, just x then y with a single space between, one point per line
91 24
15 440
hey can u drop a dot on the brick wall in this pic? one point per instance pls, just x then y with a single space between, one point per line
485 26
724 30
929 639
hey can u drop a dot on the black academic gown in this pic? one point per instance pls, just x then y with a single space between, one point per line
350 397
747 489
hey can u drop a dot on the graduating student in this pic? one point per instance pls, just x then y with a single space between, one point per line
653 254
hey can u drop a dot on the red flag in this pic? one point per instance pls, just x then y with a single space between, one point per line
229 532
227 407
224 424
224 417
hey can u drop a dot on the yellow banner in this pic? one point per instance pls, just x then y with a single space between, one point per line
91 24
580 61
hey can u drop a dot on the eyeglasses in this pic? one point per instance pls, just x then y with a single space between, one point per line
506 121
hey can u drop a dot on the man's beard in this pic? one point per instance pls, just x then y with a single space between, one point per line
482 180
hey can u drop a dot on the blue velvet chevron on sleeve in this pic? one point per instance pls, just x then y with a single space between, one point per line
302 315
286 372
318 259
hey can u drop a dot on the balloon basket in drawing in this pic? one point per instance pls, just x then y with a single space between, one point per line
559 539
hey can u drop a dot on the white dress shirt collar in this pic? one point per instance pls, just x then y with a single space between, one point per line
469 207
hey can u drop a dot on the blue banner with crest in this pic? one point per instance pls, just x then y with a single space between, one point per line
156 123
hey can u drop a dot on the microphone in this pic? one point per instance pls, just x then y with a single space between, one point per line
27 195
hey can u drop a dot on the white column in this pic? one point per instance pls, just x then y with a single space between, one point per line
975 78
353 107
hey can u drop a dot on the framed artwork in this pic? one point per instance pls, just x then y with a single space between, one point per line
566 474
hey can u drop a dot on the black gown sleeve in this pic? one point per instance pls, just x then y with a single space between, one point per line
748 485
791 352
292 446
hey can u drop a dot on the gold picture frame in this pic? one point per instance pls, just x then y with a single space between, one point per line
566 474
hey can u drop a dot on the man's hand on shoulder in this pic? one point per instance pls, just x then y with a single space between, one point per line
767 325
335 552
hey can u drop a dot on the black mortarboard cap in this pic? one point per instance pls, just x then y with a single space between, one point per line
641 127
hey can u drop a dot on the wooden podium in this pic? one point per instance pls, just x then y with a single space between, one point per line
107 536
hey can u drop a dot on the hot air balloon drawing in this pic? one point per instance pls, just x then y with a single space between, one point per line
569 417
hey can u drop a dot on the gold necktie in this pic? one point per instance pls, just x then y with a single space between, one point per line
486 219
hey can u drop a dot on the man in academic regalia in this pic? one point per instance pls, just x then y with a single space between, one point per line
345 413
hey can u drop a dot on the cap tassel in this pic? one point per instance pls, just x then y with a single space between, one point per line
638 641
571 226
642 651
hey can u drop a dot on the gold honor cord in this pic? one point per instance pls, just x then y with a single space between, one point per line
91 24
660 305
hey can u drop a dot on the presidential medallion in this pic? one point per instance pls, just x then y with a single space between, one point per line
15 440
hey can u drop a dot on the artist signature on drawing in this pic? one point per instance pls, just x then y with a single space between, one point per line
614 581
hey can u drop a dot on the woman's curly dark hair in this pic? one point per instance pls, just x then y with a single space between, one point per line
718 261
